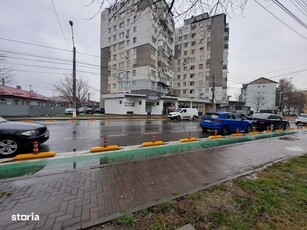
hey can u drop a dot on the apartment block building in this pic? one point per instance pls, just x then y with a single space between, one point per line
259 95
201 58
137 49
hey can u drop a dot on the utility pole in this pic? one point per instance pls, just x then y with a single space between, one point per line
213 89
73 73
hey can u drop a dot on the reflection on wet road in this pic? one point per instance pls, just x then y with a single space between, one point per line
82 135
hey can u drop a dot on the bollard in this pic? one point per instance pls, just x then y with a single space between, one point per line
215 132
105 142
189 135
267 128
153 139
254 129
237 130
35 147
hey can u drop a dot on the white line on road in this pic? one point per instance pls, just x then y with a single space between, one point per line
74 138
117 135
151 133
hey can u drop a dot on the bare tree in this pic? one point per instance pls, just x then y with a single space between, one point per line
258 101
64 88
179 9
6 75
284 94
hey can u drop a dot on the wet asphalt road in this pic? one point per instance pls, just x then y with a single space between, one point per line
82 135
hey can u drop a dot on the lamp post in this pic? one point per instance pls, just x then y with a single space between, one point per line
73 73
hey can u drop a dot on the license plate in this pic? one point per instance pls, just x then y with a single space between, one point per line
207 121
47 134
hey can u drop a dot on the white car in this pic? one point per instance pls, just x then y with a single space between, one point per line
69 111
301 119
184 113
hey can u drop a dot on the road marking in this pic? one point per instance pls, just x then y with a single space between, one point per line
74 138
117 135
151 133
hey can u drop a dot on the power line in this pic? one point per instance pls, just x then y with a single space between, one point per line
280 20
298 7
56 14
49 47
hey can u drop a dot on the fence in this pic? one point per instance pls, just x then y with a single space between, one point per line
29 110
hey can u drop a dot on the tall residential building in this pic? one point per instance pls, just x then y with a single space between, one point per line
201 58
137 40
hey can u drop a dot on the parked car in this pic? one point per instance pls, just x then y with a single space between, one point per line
68 111
225 123
17 136
89 111
82 110
184 113
99 110
301 119
264 121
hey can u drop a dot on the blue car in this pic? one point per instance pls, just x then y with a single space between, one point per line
225 123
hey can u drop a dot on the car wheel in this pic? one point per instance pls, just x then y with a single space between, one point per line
248 129
9 146
205 129
194 118
287 126
272 127
225 130
178 118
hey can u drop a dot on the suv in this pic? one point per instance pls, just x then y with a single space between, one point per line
301 119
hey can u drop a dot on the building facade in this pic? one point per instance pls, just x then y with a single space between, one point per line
201 58
137 49
259 95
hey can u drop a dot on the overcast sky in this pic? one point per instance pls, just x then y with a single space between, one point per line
259 44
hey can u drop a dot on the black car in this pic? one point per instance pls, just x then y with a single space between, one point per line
18 136
264 121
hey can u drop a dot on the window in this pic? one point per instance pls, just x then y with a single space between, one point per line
185 52
128 21
114 37
121 65
191 91
114 85
121 25
121 45
109 30
122 55
134 61
134 29
114 66
185 68
115 28
134 51
208 39
140 102
207 65
192 67
127 34
201 66
178 84
192 51
114 47
184 76
192 75
186 45
192 59
201 49
134 73
128 62
109 39
128 42
208 56
134 40
208 48
133 83
121 35
184 84
193 35
178 77
193 43
185 37
201 58
180 39
127 53
192 83
114 57
184 91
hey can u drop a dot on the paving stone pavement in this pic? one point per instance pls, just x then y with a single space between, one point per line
85 197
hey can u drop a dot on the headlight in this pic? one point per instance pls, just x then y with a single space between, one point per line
30 133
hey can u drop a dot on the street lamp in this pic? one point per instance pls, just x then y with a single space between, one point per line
73 72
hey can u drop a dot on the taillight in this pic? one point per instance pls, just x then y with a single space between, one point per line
217 121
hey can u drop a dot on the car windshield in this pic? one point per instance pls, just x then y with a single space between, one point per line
177 110
212 115
2 120
304 115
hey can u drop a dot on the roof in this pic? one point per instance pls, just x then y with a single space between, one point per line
262 80
15 92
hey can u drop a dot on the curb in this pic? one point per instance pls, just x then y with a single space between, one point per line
31 156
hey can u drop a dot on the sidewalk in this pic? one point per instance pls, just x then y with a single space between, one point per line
85 197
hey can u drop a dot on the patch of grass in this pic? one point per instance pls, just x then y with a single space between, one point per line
195 196
127 219
3 194
164 207
175 193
